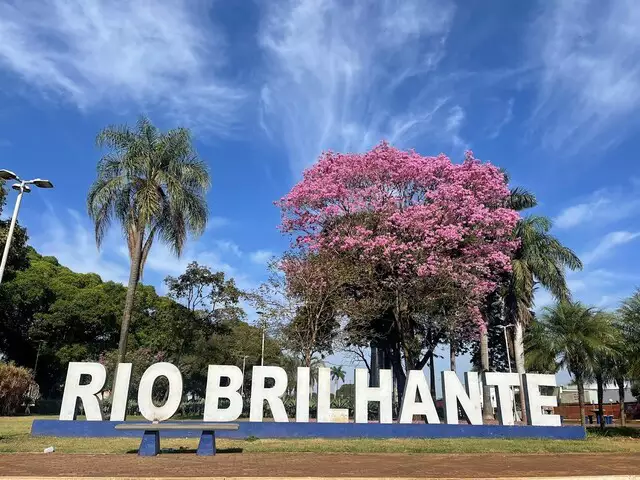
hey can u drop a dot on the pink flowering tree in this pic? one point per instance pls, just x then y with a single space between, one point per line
429 238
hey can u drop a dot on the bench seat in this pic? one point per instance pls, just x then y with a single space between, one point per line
150 444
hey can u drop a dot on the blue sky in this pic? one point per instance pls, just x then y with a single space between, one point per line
550 90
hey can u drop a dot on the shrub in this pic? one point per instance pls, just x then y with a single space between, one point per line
15 384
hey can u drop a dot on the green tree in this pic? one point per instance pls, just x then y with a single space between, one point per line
627 361
337 375
54 316
629 324
609 365
346 390
572 336
209 294
540 260
154 185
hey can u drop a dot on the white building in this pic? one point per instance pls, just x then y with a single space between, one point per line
569 394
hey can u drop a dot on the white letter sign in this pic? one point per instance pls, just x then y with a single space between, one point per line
145 399
260 393
326 414
120 392
88 393
212 413
365 394
417 383
503 383
86 380
536 401
453 392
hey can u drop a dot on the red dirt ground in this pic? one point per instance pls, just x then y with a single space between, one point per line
319 465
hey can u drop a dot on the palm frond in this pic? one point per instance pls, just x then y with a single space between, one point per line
150 182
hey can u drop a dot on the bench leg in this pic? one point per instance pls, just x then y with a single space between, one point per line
207 445
150 444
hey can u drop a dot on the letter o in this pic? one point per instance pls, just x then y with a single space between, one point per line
145 399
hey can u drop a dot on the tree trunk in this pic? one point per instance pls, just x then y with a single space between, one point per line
134 276
580 386
307 359
373 376
487 407
600 385
452 355
432 375
518 350
623 420
394 361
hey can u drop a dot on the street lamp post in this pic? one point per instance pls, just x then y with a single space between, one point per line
506 345
264 328
244 360
506 342
22 186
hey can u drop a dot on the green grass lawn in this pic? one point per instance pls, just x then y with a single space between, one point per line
15 437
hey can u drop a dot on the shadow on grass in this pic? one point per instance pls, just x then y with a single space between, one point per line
629 432
165 451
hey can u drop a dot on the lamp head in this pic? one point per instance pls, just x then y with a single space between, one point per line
21 187
7 175
41 183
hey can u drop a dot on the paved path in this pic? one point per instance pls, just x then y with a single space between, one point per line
475 466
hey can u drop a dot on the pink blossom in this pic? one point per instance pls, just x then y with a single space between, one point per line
417 216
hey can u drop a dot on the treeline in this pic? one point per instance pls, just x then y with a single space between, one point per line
50 315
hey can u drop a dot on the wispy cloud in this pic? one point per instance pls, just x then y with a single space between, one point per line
217 222
228 246
504 121
261 257
589 54
71 240
607 244
118 52
336 72
602 207
69 237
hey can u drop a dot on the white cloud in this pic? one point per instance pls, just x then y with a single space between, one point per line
261 257
228 246
607 244
118 52
335 72
600 287
589 57
601 207
71 240
217 222
504 121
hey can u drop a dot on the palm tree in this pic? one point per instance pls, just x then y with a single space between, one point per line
154 185
539 260
627 360
519 199
337 375
629 325
315 364
605 369
572 336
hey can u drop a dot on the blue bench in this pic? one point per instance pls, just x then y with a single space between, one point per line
150 444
